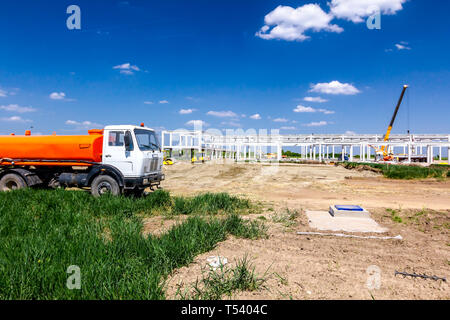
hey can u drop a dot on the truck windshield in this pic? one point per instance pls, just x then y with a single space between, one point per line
147 140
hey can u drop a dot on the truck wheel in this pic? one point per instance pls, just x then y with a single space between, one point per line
103 185
11 182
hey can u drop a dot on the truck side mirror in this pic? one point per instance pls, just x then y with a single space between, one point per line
128 141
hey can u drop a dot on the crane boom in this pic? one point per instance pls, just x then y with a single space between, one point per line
389 129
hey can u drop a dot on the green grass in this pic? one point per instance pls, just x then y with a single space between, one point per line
209 203
395 215
42 233
223 282
286 218
404 171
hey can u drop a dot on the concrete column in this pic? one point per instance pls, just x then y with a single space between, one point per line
351 153
332 150
448 151
279 151
448 155
429 154
320 153
409 152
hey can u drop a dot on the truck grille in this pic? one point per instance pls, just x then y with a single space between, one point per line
153 165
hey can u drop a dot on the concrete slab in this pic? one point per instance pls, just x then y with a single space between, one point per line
322 220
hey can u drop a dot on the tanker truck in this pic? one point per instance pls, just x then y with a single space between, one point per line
117 159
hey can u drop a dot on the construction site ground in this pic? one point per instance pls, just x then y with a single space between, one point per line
317 267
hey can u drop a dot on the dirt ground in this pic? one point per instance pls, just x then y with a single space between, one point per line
317 267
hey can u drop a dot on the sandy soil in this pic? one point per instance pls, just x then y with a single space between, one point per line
315 267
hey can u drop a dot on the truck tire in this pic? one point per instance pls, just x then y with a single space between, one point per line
12 181
104 184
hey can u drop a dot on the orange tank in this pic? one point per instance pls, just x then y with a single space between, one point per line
45 150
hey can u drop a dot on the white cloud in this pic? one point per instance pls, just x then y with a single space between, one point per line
357 10
186 111
303 109
164 102
334 87
349 133
57 96
17 108
315 99
127 68
255 117
402 46
231 124
317 124
197 123
222 114
84 124
148 102
280 120
15 119
325 111
288 128
12 92
287 23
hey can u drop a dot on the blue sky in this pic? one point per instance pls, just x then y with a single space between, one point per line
146 61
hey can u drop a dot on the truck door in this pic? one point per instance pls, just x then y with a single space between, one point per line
115 153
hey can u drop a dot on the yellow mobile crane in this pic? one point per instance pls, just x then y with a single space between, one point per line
382 153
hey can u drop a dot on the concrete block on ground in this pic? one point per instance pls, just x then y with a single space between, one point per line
348 211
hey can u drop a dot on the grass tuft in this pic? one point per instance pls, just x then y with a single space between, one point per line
216 284
286 218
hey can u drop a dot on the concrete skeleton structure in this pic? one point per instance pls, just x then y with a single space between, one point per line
321 147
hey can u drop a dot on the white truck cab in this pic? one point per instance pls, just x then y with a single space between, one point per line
136 152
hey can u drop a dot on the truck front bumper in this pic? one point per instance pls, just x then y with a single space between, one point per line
145 181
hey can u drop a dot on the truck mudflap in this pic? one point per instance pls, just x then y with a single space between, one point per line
30 177
144 182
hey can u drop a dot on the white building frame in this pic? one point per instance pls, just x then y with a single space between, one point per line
319 147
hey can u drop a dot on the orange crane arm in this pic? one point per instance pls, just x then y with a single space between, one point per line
389 129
